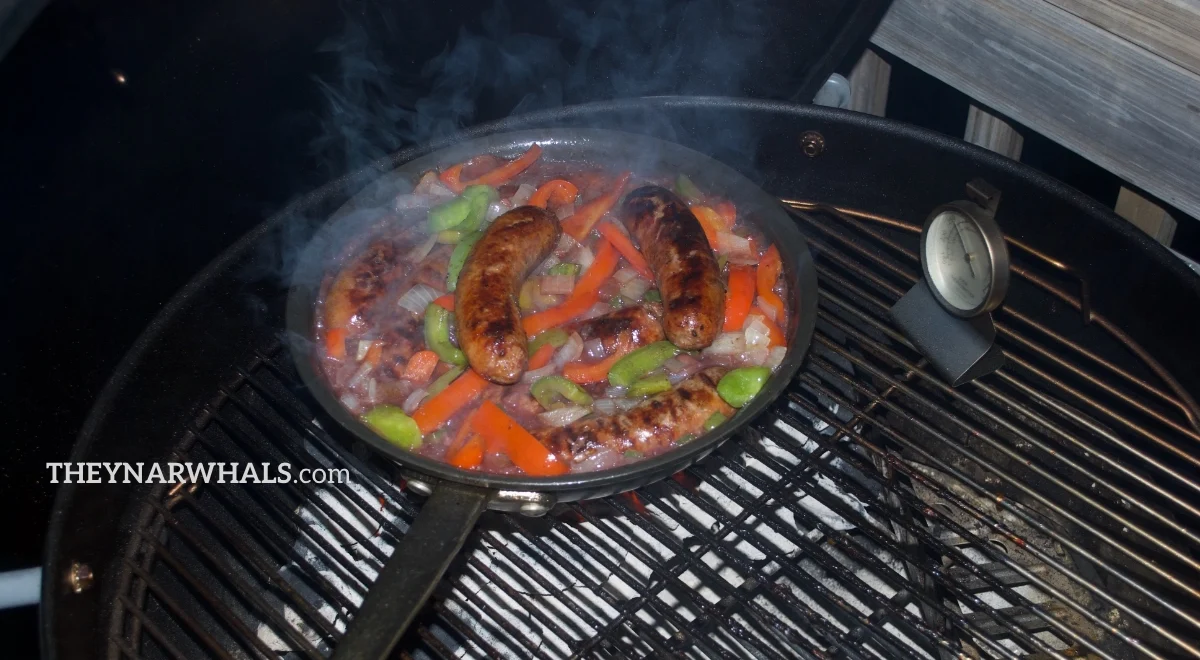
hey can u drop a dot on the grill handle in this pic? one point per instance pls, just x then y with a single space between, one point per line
411 573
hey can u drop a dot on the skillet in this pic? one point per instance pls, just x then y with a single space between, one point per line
458 497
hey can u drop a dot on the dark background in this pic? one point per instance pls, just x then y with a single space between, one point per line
141 138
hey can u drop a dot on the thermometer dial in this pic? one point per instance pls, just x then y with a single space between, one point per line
965 259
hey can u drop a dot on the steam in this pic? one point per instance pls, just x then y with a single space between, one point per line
599 51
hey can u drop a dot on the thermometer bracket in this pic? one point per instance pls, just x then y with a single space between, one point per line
959 349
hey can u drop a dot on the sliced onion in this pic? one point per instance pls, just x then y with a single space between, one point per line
727 343
599 309
603 459
775 357
421 251
755 357
634 289
417 299
606 406
767 310
372 391
756 333
569 352
359 375
413 400
557 285
563 416
429 185
615 392
625 275
565 211
364 345
566 243
349 401
732 245
411 202
584 258
497 209
681 367
594 349
530 376
521 197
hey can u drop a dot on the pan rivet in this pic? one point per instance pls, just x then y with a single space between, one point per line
420 487
534 509
812 143
80 577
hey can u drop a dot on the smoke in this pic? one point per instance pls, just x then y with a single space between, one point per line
511 58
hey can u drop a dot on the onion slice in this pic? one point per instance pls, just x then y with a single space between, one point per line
413 400
417 299
560 417
569 352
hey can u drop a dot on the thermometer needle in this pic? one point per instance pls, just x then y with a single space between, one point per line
966 254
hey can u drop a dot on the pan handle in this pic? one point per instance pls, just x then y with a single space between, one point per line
408 578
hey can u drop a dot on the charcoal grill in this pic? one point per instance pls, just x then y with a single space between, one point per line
1049 508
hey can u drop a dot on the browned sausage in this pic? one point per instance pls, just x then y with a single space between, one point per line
684 266
622 330
489 320
361 282
649 427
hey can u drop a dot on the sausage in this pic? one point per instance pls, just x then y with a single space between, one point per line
649 427
363 281
683 263
489 320
622 330
378 271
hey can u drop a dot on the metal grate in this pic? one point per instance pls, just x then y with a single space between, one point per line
874 512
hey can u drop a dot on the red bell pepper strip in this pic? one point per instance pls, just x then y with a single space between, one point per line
584 373
525 451
439 408
445 302
508 170
768 274
626 248
739 297
541 357
450 176
586 293
586 216
558 191
335 343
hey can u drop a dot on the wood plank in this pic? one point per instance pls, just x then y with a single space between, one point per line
991 132
1111 101
1168 28
1146 215
869 82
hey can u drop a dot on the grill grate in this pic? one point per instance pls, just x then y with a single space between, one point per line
873 512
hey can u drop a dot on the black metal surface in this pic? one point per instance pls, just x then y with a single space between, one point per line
869 163
408 578
610 149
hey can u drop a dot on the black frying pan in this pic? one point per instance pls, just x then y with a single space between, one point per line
458 497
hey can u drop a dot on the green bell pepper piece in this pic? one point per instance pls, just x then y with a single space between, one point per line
630 368
715 420
444 380
459 257
556 337
618 302
449 237
564 269
449 215
650 385
396 427
653 296
548 388
687 189
740 385
480 196
437 335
